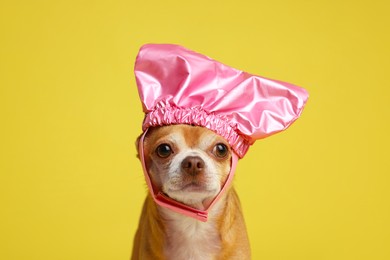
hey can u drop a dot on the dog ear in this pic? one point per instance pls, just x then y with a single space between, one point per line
137 145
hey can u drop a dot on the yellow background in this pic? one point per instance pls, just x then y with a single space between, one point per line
70 184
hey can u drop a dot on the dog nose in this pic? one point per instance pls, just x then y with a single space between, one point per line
192 165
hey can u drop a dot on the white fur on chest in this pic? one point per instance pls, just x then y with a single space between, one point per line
191 239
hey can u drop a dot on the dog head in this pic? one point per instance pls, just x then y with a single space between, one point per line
190 164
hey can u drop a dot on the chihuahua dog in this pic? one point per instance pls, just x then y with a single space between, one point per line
190 164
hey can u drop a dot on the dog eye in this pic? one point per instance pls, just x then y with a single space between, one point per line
221 150
164 150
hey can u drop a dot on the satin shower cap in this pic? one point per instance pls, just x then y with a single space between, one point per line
179 86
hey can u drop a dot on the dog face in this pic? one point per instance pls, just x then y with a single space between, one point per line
188 163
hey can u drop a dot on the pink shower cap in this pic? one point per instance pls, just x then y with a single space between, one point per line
179 86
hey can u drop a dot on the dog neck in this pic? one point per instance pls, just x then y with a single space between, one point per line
189 238
166 234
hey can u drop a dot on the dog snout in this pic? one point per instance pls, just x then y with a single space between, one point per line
193 165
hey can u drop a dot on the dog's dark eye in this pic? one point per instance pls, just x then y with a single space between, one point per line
164 150
221 150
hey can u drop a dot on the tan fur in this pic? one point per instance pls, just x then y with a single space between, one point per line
153 236
235 244
148 241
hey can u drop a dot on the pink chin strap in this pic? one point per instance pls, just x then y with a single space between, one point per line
163 200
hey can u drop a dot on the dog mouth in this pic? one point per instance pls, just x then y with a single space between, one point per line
191 187
194 194
195 187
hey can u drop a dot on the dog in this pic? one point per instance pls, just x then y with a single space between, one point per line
201 116
190 164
